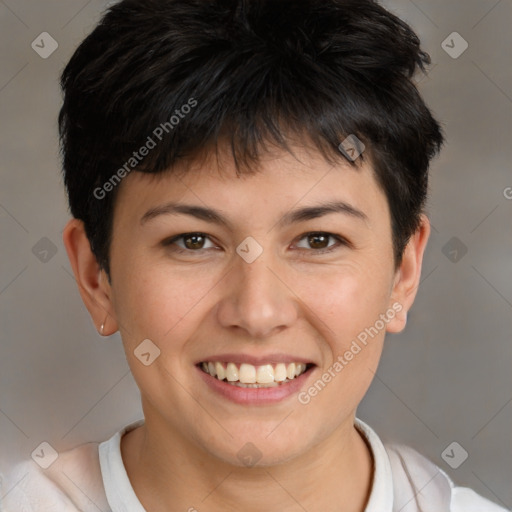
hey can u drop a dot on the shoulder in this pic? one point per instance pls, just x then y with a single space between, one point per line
72 483
420 485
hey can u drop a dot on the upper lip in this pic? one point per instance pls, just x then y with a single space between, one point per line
259 360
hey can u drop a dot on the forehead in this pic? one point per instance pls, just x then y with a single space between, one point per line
279 180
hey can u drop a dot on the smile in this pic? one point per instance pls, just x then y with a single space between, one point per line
250 376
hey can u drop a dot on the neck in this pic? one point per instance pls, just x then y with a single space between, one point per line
169 473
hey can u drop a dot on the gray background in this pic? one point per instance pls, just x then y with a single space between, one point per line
445 378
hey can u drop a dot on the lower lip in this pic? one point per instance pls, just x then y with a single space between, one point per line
255 396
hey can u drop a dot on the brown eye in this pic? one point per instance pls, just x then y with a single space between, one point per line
194 241
188 242
318 242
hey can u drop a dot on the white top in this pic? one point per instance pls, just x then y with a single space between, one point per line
92 478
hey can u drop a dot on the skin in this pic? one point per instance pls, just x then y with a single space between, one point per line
290 300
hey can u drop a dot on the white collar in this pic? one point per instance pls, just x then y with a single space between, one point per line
120 494
381 496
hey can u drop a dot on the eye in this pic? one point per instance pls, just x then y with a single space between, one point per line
192 242
318 240
195 242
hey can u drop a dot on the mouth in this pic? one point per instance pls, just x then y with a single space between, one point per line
246 375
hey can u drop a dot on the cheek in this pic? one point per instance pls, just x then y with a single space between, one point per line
346 300
349 306
158 302
163 306
347 315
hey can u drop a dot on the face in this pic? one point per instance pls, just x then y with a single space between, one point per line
252 285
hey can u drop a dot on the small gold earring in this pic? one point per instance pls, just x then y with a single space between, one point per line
102 327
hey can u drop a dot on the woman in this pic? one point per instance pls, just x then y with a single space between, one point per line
247 182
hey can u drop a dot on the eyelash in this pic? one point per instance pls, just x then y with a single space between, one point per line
341 242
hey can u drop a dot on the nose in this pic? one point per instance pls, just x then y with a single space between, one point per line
257 298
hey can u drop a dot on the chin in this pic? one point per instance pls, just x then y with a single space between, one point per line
254 451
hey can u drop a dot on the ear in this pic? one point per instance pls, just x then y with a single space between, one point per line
92 282
407 277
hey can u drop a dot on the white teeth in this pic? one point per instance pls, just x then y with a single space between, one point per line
242 385
264 374
231 372
299 369
280 372
219 370
248 375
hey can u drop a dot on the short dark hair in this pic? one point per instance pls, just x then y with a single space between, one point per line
251 72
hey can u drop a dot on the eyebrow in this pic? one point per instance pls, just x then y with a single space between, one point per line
291 217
